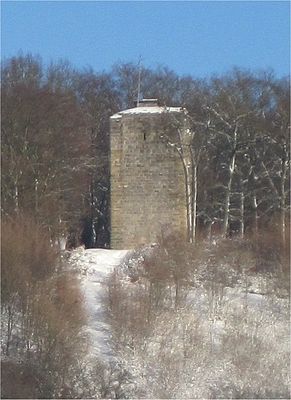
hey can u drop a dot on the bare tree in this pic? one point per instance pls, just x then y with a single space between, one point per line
45 150
185 135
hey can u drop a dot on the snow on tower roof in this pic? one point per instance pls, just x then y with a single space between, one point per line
148 110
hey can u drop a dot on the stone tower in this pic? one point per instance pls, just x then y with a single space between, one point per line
147 180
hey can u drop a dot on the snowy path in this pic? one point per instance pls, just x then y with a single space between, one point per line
95 265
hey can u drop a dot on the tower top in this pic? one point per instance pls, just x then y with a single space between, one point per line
149 106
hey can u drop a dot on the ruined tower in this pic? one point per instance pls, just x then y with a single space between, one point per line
147 180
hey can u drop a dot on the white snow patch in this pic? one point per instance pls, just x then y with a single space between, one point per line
95 265
147 110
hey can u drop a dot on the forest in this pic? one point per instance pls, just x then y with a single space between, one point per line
56 187
55 145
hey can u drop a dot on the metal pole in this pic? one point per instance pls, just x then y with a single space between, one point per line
139 76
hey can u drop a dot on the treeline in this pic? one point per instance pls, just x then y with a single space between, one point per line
55 145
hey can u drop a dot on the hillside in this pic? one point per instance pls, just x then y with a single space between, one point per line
228 336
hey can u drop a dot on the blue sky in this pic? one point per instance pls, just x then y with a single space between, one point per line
195 37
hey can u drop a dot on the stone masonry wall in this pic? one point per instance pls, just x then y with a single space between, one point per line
147 182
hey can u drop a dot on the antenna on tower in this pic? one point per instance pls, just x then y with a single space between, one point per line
139 78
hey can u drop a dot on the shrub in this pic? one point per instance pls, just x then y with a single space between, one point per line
42 313
183 319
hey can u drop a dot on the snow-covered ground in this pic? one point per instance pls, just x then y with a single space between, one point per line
94 266
218 336
226 339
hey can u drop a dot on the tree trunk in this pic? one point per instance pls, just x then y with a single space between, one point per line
229 185
283 203
242 209
9 329
228 194
189 202
16 198
188 195
194 202
36 194
255 216
177 293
